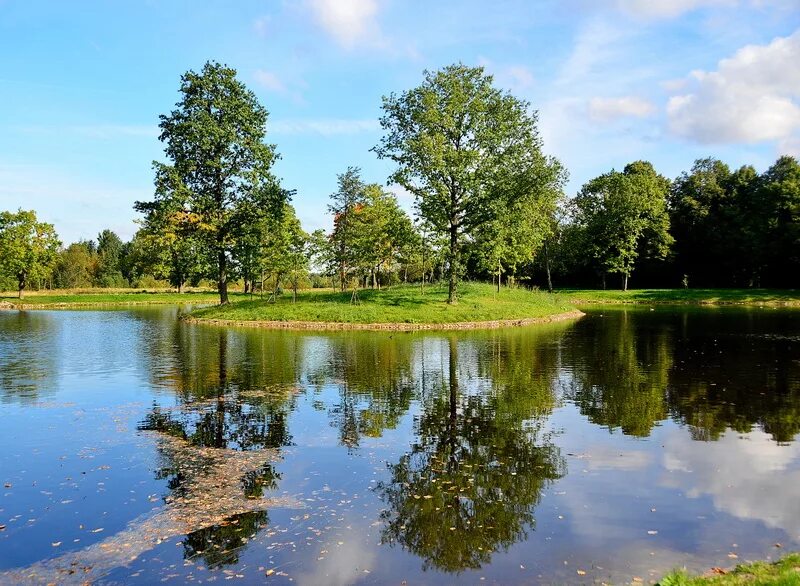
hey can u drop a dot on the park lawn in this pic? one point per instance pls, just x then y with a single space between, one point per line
404 304
90 297
690 296
784 572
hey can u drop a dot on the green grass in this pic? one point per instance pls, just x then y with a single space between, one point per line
785 572
109 297
698 296
399 304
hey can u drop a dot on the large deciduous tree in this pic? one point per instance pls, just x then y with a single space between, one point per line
624 217
28 248
466 150
219 163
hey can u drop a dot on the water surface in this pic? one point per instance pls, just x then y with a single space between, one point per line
140 449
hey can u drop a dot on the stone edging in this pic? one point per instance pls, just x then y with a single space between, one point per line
394 327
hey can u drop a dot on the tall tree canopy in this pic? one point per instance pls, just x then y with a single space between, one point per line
28 248
466 151
219 166
624 216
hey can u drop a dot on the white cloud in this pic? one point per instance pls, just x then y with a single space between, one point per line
515 77
324 126
790 146
749 476
347 21
269 81
610 109
262 25
666 9
752 97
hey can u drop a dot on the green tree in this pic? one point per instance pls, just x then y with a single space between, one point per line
465 150
624 217
284 250
780 192
75 266
220 163
696 201
381 230
109 252
344 201
28 248
172 232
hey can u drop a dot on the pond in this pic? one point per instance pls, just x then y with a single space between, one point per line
141 449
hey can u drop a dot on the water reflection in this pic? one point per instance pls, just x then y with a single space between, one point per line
469 485
632 369
27 356
621 372
456 439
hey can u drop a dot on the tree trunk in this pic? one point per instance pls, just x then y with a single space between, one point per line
547 267
451 287
21 283
499 268
624 282
374 279
222 282
604 281
180 287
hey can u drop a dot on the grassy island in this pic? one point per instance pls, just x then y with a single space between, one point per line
399 307
785 571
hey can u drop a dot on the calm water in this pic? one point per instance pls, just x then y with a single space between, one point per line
138 449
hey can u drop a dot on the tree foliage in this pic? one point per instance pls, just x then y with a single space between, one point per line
219 170
466 150
27 247
624 216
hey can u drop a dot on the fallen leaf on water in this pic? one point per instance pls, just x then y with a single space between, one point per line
56 543
97 530
652 532
270 572
581 573
733 556
720 571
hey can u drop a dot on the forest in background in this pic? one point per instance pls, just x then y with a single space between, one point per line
489 205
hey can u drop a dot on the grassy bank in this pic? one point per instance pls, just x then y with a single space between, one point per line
784 572
690 296
396 305
89 297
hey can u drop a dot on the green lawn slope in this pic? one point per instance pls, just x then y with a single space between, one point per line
405 304
690 296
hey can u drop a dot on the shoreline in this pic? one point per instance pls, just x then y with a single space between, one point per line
388 326
77 304
748 303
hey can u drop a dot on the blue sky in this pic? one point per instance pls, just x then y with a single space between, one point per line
82 85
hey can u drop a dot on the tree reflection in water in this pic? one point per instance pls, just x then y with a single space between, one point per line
470 483
227 417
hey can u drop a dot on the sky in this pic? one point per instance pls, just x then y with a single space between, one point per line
82 85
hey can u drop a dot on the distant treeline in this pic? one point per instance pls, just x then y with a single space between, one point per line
489 205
